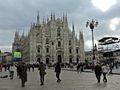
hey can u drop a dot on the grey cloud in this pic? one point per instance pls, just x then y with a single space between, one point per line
21 13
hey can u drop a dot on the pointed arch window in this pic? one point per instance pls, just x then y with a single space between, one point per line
70 59
59 44
77 60
47 50
69 42
70 50
38 50
47 41
77 50
58 31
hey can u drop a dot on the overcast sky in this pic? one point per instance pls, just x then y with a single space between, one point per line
19 14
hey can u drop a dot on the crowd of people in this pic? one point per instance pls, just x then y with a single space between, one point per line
22 68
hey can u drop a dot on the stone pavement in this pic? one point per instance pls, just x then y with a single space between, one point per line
114 71
70 81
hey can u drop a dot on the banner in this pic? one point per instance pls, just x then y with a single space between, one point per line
17 56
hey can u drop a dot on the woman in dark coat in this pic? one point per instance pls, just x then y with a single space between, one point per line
23 74
58 71
42 72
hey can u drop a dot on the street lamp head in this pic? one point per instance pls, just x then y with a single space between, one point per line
91 25
87 23
96 24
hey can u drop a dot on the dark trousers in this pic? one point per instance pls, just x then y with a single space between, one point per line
98 77
104 77
23 82
58 76
42 78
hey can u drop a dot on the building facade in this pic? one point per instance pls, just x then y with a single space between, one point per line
51 41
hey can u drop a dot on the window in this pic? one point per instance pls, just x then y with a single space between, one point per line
38 50
47 41
77 60
69 42
47 50
76 50
70 60
59 44
70 50
52 43
38 60
58 31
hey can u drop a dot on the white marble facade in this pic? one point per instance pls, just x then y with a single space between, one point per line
50 41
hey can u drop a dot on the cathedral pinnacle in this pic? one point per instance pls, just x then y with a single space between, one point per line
47 19
63 16
73 28
66 19
16 36
54 16
38 18
51 16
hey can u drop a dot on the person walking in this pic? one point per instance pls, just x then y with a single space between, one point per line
18 69
78 68
42 72
58 71
1 66
23 74
98 72
105 70
12 71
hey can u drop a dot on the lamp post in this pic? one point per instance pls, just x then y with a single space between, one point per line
92 24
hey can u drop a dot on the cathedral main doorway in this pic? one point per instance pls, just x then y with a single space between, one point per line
59 58
77 61
70 60
38 60
47 61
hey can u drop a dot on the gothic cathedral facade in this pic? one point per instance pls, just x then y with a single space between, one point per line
50 41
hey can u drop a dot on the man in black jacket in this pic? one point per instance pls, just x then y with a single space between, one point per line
58 71
23 74
98 71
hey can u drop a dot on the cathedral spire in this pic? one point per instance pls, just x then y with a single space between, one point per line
54 16
73 28
38 18
51 16
63 18
80 35
16 36
66 19
47 19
